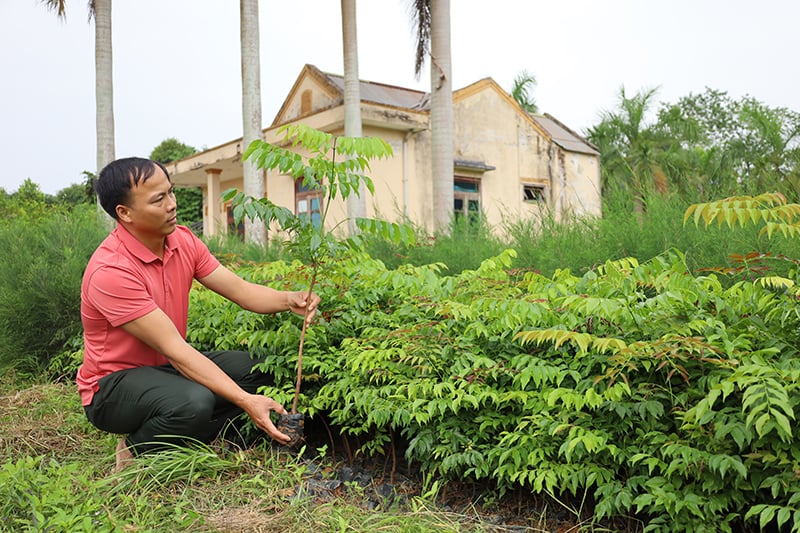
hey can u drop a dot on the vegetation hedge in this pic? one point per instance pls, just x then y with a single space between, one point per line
640 389
42 264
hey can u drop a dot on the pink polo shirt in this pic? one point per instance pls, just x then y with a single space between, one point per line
124 281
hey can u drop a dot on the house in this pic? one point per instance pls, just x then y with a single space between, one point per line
508 164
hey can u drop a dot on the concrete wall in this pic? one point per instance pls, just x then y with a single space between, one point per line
489 128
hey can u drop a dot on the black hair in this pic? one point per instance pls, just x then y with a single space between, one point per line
113 185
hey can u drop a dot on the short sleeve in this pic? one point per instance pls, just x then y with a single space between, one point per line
119 295
205 262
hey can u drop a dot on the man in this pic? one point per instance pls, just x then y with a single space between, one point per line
139 376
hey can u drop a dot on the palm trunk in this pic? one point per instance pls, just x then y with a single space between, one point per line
356 203
254 230
441 115
104 88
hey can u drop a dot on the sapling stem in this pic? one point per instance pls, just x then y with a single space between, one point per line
314 268
302 342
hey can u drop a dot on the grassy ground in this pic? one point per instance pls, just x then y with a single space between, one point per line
53 462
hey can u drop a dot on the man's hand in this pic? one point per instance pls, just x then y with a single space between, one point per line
298 303
258 408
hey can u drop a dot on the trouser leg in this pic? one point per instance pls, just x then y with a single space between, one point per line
156 405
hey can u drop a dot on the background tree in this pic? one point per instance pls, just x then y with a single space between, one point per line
100 10
254 230
633 150
741 146
171 149
28 203
524 84
432 23
75 194
356 203
190 199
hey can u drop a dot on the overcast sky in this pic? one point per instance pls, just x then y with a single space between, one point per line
177 70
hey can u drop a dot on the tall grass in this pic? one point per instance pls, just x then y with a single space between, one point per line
580 244
546 245
41 267
43 260
463 248
231 250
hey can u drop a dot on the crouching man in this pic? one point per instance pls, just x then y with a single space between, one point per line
139 376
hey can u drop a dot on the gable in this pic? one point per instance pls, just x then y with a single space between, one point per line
486 91
312 92
316 91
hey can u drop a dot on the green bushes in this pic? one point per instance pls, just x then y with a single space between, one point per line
41 494
40 276
578 245
648 392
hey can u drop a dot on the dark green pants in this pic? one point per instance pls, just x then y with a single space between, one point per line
153 405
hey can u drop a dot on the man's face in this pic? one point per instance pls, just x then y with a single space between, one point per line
151 208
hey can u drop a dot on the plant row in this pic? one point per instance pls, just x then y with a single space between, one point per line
642 390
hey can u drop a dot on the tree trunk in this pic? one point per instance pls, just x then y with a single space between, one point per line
104 89
254 230
356 203
441 115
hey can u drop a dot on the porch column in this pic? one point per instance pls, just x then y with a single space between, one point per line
214 216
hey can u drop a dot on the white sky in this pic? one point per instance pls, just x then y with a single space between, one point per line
177 70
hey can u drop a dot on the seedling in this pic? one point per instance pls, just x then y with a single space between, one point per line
319 171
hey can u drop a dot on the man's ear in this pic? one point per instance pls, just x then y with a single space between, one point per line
123 213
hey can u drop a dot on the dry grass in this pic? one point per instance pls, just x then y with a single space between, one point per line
252 491
47 419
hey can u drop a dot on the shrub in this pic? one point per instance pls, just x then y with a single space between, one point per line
639 388
41 494
40 278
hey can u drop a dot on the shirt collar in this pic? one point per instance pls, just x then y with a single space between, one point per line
142 252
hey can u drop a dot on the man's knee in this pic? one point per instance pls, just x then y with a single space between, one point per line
194 402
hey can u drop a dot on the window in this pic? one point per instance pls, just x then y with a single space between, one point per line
308 202
305 102
533 194
467 199
233 227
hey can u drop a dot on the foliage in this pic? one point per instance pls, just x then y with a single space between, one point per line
28 203
41 494
75 194
171 149
40 276
704 146
525 82
777 219
739 146
233 251
652 392
190 206
321 172
462 248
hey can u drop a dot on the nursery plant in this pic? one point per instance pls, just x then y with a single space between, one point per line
335 167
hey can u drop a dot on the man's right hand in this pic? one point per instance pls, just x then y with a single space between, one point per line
259 409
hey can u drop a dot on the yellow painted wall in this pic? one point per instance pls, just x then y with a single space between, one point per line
488 128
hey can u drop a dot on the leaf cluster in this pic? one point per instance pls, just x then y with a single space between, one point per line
657 394
310 156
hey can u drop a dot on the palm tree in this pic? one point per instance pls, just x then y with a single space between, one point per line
100 10
356 203
432 21
254 230
631 149
524 82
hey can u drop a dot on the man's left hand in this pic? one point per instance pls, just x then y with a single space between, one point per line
303 305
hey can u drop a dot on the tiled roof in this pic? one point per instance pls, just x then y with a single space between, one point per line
563 136
389 95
